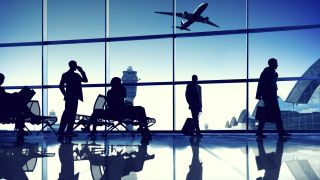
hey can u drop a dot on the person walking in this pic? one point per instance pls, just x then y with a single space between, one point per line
267 91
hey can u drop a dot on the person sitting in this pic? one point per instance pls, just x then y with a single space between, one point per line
13 108
117 109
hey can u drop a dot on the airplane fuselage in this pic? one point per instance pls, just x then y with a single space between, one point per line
197 13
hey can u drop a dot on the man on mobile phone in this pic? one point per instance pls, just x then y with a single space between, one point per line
70 87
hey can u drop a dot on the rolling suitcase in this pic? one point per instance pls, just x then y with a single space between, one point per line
188 128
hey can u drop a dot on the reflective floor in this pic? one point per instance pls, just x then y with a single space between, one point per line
165 157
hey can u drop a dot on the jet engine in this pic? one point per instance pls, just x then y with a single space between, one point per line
185 14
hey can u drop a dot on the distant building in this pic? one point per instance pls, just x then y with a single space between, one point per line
130 77
57 124
301 109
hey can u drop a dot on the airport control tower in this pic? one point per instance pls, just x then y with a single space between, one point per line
130 76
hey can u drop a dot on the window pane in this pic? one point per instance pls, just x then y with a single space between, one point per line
296 52
76 19
299 104
89 56
221 104
227 14
20 21
138 17
157 101
270 13
220 57
21 65
151 59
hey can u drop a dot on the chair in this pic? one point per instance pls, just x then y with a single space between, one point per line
48 121
84 120
34 108
109 123
125 122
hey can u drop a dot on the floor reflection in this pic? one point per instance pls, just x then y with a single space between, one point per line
270 162
18 158
169 157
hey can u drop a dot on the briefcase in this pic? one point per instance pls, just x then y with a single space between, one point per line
26 95
265 113
260 113
188 128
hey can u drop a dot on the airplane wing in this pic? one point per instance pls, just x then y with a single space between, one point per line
186 16
206 21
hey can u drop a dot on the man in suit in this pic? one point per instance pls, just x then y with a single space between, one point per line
194 99
70 87
267 91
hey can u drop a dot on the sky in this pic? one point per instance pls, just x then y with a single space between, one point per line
211 58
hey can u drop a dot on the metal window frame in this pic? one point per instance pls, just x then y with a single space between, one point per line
106 40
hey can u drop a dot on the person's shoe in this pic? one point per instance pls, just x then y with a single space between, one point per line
282 135
22 133
92 135
199 135
261 136
146 135
72 134
86 129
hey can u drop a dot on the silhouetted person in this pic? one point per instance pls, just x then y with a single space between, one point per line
194 99
118 109
67 163
267 91
12 161
270 162
19 158
195 169
72 93
122 164
135 160
14 106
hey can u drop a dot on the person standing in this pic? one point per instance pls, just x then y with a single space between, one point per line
70 87
267 91
194 99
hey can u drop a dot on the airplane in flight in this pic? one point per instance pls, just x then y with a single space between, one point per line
191 17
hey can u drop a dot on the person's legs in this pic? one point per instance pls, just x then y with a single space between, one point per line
72 115
195 117
139 113
64 118
261 124
278 119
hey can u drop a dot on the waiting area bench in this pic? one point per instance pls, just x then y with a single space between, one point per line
37 119
108 123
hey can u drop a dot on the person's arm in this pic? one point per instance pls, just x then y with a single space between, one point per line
187 94
200 97
83 75
61 85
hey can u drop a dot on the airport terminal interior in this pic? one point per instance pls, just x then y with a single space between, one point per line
155 47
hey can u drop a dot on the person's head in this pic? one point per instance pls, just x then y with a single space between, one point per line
194 78
1 79
115 82
273 63
73 65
